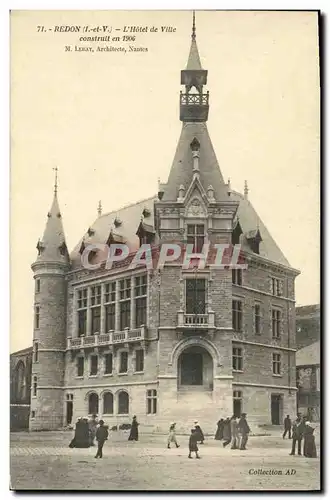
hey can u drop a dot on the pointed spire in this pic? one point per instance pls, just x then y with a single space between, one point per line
99 209
52 247
194 61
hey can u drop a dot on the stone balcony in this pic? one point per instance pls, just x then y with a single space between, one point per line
110 338
188 322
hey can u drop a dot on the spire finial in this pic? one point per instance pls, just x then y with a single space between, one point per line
55 184
99 209
193 34
246 190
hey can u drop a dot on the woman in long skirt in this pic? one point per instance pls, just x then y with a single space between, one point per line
199 433
219 433
134 434
81 435
309 445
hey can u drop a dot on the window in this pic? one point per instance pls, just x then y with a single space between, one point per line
195 236
276 364
110 292
237 403
237 358
276 286
82 312
96 295
93 404
35 352
257 319
108 403
108 363
140 300
139 360
80 366
34 386
33 414
82 322
237 276
37 285
195 296
82 298
110 317
276 323
37 317
123 404
237 315
123 365
96 320
93 364
125 304
151 401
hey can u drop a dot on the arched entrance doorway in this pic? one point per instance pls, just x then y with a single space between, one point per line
195 368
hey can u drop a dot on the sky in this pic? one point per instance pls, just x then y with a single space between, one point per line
110 122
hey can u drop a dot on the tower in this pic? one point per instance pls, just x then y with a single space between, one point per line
194 209
49 270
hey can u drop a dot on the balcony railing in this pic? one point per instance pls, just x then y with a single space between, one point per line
200 321
109 338
193 99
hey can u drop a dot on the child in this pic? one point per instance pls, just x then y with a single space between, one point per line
193 443
101 436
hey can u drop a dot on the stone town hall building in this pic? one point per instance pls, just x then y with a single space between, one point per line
175 344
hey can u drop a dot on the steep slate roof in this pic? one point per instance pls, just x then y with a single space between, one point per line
250 221
194 61
131 219
53 236
182 167
309 355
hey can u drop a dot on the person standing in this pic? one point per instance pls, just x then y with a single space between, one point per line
297 435
309 441
134 434
287 426
172 436
193 443
199 432
219 433
234 433
244 430
226 432
101 436
92 424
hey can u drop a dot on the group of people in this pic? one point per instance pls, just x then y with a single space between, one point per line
196 436
233 430
301 431
87 431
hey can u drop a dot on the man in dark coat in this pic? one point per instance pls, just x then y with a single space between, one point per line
244 430
226 432
219 433
101 436
134 434
297 434
193 443
287 426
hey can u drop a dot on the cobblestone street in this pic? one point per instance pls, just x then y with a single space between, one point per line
44 461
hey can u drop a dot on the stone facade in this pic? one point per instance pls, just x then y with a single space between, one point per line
177 344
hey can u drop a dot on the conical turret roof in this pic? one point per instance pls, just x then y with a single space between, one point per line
194 61
52 247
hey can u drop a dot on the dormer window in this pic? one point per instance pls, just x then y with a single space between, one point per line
146 233
196 236
90 231
117 222
254 239
146 212
63 250
235 235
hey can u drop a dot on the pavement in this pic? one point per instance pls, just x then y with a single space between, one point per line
43 461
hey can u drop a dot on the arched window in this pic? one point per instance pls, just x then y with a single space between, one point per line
123 404
20 381
93 404
107 403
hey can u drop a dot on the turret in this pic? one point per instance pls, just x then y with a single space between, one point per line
50 267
